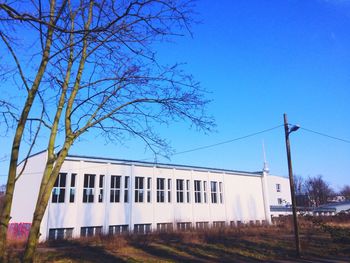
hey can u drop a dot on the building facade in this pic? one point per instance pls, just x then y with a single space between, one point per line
110 196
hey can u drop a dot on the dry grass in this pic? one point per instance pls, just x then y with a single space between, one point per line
320 238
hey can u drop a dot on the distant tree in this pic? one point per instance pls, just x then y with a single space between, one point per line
318 190
299 183
345 191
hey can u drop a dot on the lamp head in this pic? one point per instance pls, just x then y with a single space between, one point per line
294 128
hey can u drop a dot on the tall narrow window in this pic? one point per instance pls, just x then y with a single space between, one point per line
89 187
169 190
179 190
197 191
115 189
188 191
213 186
205 191
160 190
220 193
100 185
126 189
139 188
278 187
149 186
72 188
59 189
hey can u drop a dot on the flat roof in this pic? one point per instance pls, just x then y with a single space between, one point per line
158 165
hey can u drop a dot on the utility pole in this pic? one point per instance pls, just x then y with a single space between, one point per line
291 182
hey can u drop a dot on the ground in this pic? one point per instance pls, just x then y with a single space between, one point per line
322 240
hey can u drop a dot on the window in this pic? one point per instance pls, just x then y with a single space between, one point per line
100 184
179 190
219 224
89 187
184 226
126 189
205 191
115 189
188 191
160 190
149 186
202 225
90 231
169 190
139 189
118 229
72 188
279 201
142 228
197 191
59 188
165 227
278 187
220 193
60 233
213 186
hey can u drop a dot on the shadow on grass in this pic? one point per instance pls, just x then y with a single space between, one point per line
79 252
180 252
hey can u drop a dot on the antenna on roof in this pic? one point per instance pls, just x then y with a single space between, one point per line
266 167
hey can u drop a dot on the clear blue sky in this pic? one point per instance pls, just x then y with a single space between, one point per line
259 59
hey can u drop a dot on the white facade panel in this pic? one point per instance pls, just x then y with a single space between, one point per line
134 193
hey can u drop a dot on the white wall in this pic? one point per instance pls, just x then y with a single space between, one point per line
243 198
27 189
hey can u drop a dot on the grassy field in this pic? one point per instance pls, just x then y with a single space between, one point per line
322 239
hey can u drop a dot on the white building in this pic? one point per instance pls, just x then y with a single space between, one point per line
99 195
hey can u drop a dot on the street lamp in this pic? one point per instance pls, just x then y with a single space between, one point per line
288 130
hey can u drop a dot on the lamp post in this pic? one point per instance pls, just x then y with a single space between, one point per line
288 130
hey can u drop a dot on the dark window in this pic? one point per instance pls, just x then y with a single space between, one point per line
72 188
149 186
142 228
126 189
179 190
89 188
164 227
59 189
169 190
60 233
115 189
188 190
100 185
197 191
214 190
139 188
118 229
160 190
90 231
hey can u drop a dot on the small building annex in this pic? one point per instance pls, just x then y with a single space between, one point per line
110 196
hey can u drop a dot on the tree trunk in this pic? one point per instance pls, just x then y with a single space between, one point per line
5 213
40 208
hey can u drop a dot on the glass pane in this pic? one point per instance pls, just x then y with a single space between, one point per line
62 179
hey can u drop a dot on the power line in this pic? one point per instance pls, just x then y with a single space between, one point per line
228 141
326 135
224 142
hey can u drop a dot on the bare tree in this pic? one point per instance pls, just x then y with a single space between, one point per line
345 191
318 190
9 19
103 76
299 183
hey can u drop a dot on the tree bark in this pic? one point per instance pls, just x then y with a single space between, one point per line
34 233
5 213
